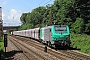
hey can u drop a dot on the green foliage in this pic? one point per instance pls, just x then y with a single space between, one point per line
78 26
2 54
7 32
1 39
82 9
23 27
23 18
1 48
87 28
74 13
81 41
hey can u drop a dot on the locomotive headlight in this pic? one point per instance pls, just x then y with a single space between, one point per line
67 37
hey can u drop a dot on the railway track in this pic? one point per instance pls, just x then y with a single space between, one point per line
41 54
41 47
25 54
61 54
26 50
75 55
14 52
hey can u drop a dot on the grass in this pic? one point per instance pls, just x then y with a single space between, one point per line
1 49
81 41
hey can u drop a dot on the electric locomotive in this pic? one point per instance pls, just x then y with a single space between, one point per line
55 35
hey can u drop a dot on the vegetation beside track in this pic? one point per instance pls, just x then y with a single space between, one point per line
1 48
81 41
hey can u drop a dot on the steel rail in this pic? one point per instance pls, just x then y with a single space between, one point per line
31 50
20 49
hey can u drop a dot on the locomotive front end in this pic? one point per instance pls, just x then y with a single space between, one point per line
61 35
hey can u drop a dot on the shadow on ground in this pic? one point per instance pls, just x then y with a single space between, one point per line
65 48
9 55
68 48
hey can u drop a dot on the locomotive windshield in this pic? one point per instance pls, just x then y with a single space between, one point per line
60 29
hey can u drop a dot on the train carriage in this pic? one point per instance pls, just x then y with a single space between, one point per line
37 33
28 32
32 33
23 33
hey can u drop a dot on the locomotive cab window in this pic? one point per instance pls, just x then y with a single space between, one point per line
60 29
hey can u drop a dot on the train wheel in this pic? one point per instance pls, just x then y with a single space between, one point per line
68 44
49 43
54 46
40 41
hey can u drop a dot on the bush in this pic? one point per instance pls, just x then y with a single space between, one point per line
1 39
78 26
1 48
81 41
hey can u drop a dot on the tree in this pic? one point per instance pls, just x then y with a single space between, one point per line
37 16
23 18
64 12
78 26
82 10
61 9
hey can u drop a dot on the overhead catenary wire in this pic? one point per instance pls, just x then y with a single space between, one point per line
41 3
47 2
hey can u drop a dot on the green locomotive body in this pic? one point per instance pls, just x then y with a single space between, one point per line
55 35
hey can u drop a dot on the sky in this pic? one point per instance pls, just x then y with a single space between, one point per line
13 9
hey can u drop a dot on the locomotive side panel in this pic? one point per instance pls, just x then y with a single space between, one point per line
45 34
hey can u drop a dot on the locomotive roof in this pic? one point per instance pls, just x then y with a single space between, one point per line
60 25
54 25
